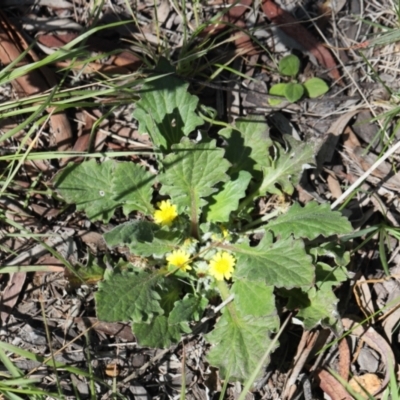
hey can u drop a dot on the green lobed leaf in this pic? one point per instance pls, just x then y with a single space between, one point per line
289 65
248 144
89 186
327 276
227 200
277 90
158 333
132 186
170 294
129 296
131 232
310 221
315 87
337 252
322 308
188 309
144 238
319 304
285 171
163 331
166 111
283 263
238 344
242 334
255 132
298 298
192 171
254 298
163 242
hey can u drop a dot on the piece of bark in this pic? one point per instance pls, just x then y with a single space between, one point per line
123 61
117 329
344 359
11 294
332 387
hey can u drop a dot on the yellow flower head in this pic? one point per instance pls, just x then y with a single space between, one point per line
188 242
224 231
223 235
221 266
166 213
180 259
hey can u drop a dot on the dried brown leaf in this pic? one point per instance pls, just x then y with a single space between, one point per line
11 293
332 387
377 343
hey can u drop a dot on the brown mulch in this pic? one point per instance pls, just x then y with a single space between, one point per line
329 43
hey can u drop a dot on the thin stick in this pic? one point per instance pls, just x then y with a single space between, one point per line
364 176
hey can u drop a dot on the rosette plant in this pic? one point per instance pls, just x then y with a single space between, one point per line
216 221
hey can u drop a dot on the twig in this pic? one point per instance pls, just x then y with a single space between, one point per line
366 174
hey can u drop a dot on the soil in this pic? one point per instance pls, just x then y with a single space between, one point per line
51 315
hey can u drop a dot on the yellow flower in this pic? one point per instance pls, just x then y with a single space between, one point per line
223 235
188 242
166 213
180 259
221 266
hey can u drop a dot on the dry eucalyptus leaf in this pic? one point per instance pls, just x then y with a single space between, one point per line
370 382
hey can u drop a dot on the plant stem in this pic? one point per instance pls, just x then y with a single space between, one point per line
223 290
226 298
248 199
260 220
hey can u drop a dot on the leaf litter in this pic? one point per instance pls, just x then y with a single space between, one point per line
141 368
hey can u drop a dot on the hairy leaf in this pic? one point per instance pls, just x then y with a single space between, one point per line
227 199
254 298
129 296
166 111
327 276
89 186
192 171
132 186
248 144
285 171
310 221
337 252
158 333
163 242
319 304
283 263
241 336
144 238
163 331
170 294
188 309
322 308
131 232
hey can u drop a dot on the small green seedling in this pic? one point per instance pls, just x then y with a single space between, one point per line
197 232
294 91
